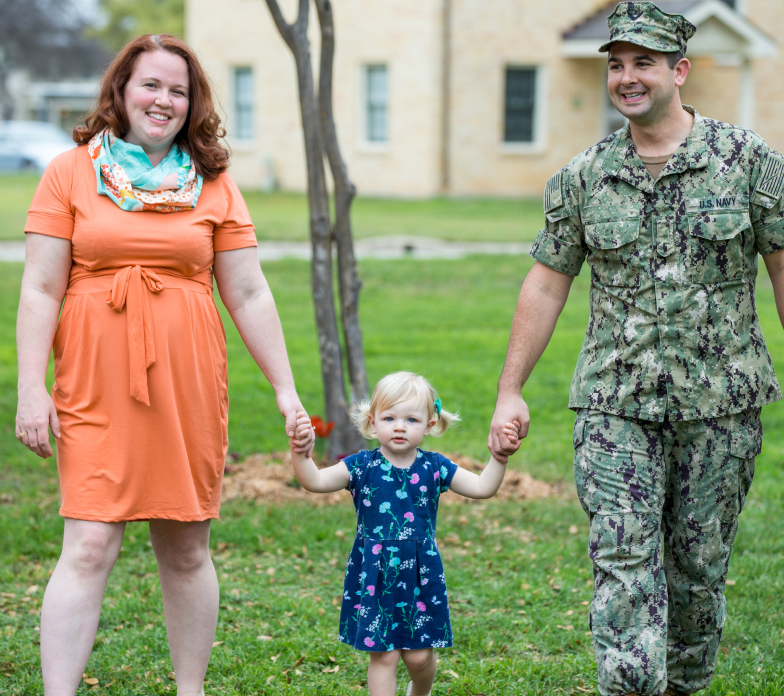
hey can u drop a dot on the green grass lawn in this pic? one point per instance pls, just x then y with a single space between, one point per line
16 192
519 580
285 215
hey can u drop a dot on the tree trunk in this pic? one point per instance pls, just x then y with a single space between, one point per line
344 194
296 37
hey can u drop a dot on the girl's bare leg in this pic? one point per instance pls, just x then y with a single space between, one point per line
190 597
421 666
382 673
72 602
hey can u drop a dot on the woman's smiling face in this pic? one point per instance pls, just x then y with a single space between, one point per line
156 101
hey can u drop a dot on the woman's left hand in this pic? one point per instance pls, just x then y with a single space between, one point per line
289 404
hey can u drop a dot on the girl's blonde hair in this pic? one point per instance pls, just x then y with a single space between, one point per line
397 387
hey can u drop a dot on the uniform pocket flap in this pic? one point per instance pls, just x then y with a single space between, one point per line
612 234
718 226
746 442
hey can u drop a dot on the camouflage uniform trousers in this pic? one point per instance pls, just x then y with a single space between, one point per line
663 500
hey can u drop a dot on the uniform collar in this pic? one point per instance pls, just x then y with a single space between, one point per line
621 159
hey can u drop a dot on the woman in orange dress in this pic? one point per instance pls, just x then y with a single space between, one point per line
125 233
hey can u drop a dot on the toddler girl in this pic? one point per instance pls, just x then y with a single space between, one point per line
394 598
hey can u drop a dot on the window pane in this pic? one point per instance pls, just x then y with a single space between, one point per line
243 102
519 105
376 103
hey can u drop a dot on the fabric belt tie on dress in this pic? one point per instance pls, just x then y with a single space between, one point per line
128 289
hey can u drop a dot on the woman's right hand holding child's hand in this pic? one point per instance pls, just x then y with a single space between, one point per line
327 480
303 436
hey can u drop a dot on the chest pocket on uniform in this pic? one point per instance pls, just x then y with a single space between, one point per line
716 245
614 254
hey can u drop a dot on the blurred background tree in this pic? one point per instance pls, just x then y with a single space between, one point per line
48 40
126 19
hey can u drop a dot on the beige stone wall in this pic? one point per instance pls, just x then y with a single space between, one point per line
489 36
768 15
486 37
713 89
405 35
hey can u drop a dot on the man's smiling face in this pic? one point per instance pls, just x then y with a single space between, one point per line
641 83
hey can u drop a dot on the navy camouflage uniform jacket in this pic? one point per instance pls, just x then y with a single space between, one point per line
673 329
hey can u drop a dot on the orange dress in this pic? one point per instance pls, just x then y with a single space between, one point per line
141 383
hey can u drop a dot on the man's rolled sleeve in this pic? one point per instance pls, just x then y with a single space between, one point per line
770 238
557 254
561 244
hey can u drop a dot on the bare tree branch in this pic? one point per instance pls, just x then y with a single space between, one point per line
286 30
345 191
47 39
302 14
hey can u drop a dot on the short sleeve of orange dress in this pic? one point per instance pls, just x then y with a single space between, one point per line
141 382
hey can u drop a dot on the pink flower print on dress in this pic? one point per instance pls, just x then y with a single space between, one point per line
366 502
424 581
415 479
409 516
370 643
436 476
377 549
423 489
371 590
357 606
421 606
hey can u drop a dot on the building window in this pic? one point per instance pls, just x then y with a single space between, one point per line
243 103
520 105
376 104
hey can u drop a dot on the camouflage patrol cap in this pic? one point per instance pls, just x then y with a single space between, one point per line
644 24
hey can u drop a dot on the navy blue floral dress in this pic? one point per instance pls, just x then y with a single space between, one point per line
394 595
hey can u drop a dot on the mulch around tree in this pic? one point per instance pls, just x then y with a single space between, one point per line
270 478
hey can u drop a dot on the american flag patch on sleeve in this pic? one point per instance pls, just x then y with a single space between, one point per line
771 180
553 198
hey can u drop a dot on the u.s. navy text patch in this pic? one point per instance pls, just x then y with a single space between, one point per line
717 203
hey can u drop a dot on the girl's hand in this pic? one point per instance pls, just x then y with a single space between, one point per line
512 432
35 413
486 485
327 480
290 408
508 409
303 437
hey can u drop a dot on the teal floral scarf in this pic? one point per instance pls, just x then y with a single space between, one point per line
124 174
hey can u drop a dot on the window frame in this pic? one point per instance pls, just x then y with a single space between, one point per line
538 143
365 142
237 107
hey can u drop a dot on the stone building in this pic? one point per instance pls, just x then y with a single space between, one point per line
467 97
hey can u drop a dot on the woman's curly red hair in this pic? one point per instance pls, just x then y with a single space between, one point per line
202 129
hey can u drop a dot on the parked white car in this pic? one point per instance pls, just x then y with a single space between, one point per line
30 145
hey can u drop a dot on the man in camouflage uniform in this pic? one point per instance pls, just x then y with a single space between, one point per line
670 213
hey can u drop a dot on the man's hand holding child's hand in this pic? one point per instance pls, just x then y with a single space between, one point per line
512 432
